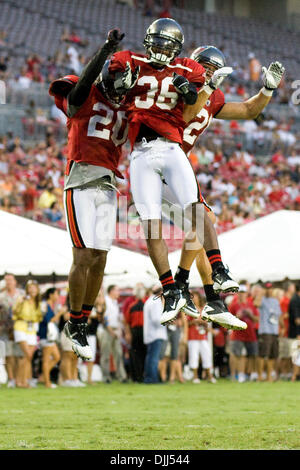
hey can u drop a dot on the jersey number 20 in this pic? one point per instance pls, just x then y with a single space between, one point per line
105 121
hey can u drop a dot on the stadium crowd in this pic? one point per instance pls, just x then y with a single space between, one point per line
237 185
130 344
37 71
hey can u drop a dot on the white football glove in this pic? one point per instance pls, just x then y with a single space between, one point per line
218 77
273 75
127 80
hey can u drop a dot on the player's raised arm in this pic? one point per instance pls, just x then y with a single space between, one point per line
251 108
190 112
80 92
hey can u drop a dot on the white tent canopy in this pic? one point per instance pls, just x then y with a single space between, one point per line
31 247
267 249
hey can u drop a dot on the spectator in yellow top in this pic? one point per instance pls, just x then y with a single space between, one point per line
27 315
47 198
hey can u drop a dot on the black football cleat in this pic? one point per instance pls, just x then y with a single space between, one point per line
189 308
216 311
174 301
223 282
77 333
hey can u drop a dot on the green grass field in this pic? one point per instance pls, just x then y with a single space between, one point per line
132 416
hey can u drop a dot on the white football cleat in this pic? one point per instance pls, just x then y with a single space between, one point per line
217 312
223 282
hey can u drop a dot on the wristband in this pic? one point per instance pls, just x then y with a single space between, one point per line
266 92
208 90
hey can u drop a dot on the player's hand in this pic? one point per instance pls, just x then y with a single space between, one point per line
126 80
114 36
180 83
272 76
218 77
130 77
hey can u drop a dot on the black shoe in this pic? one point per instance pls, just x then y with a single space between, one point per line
223 282
77 333
217 312
189 308
174 301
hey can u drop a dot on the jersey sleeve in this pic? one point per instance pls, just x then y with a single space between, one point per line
62 104
219 101
118 61
60 88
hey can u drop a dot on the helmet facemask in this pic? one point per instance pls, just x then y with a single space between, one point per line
209 70
162 50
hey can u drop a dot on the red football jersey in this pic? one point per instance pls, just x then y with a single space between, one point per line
197 332
249 334
96 132
203 119
154 101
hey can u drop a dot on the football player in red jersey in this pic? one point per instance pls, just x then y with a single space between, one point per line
158 85
97 128
213 59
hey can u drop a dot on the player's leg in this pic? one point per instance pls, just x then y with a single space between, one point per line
88 264
94 279
222 281
216 305
181 179
146 186
104 233
80 215
196 221
204 268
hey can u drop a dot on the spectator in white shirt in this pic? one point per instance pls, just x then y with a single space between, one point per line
110 338
154 335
